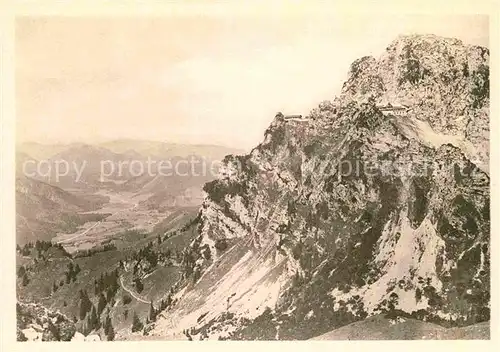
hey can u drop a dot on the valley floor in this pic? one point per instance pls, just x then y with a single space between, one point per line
124 213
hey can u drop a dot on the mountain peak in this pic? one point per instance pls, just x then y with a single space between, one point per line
415 38
357 209
444 82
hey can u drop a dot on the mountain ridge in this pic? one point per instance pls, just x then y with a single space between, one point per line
41 207
321 247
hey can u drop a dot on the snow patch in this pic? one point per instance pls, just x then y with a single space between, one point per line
404 254
422 131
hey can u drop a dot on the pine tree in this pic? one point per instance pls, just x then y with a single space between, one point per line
138 285
109 294
126 299
88 323
54 331
101 283
95 317
54 287
93 320
152 312
21 271
26 281
84 329
110 333
85 304
83 310
26 250
106 324
101 305
137 325
116 284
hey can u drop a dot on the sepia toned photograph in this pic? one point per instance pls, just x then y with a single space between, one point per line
252 177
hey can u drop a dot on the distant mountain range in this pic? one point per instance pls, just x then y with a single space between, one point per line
96 166
43 195
131 148
160 150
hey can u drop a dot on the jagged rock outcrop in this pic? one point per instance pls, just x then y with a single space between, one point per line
351 213
445 82
37 323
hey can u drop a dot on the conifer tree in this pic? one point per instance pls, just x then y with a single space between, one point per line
152 312
137 325
108 329
26 281
21 271
85 304
138 285
106 324
93 320
101 305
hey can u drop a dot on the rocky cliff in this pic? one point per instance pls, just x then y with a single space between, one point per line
443 81
37 323
349 213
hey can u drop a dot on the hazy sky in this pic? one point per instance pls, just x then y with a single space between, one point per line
216 80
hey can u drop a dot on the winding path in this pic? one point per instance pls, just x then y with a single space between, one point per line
80 234
132 293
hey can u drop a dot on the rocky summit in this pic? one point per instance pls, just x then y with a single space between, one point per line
352 212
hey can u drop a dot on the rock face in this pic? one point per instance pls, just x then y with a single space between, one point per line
37 323
352 213
444 82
